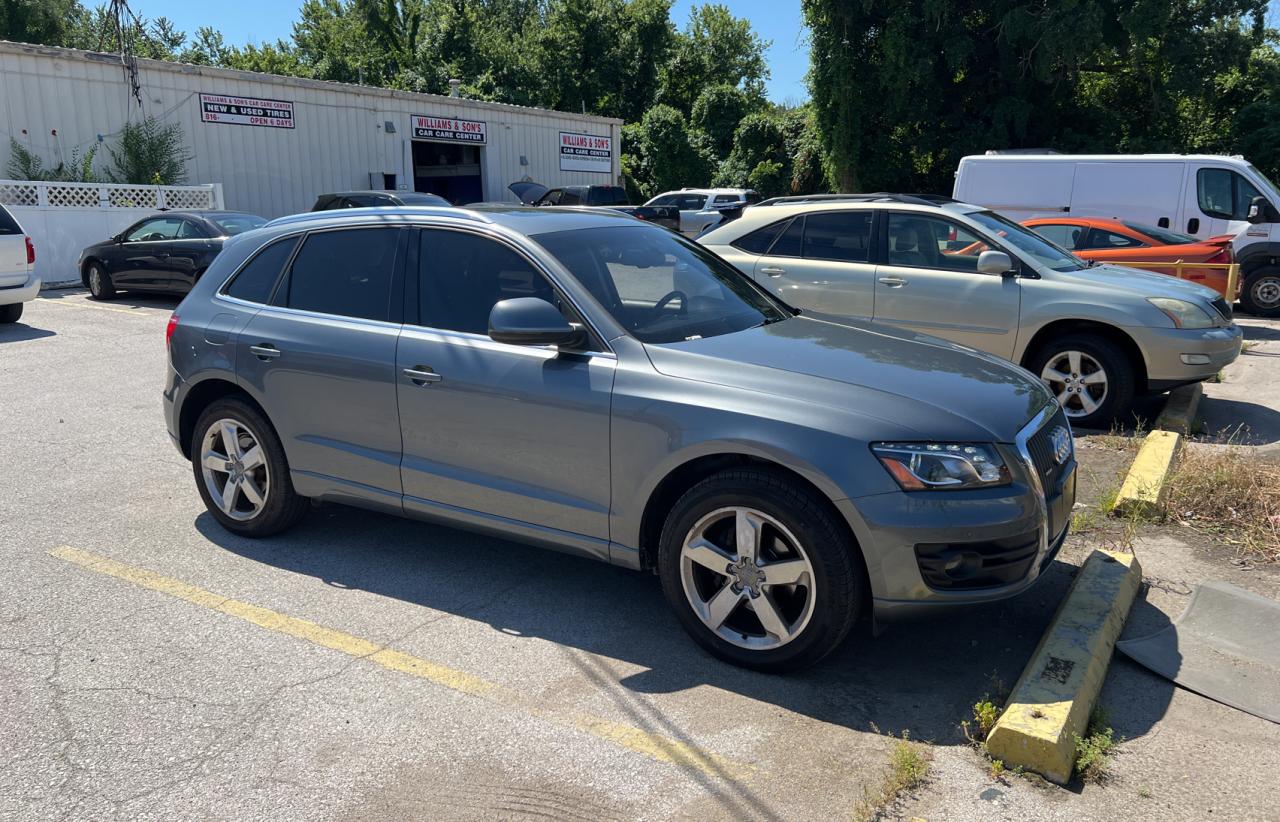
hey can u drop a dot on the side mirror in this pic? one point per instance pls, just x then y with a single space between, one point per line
532 321
996 262
1262 211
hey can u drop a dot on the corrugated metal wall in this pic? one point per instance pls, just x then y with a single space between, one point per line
338 139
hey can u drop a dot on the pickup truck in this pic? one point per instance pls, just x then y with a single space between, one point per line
611 197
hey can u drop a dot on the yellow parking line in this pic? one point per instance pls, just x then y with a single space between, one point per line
637 740
133 312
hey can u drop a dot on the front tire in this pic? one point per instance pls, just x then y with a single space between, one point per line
1091 376
100 285
759 572
1261 293
10 313
241 471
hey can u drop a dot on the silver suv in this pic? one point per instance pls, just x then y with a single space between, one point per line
1096 334
605 387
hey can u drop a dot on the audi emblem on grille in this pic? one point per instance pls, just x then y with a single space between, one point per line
1060 438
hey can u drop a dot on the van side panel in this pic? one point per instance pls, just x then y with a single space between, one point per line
1143 192
1018 189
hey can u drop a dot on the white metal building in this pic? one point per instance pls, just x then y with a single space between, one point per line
274 143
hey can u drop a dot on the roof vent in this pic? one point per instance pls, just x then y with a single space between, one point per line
453 87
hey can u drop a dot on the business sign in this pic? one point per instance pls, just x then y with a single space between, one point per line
448 129
585 152
246 111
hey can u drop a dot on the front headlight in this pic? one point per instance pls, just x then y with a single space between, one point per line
1183 313
924 466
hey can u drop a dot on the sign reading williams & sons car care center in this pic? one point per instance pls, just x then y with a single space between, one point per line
585 152
246 111
448 129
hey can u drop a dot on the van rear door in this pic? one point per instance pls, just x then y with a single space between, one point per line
1017 188
1141 192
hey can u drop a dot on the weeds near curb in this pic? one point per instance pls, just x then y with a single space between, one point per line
908 769
1230 495
1095 750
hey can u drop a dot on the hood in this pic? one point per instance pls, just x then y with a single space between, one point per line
911 385
528 191
1138 282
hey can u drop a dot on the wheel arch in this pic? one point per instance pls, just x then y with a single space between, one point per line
680 479
199 397
1258 255
1058 328
84 269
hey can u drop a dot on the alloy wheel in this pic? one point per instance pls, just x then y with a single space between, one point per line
747 578
95 280
1078 379
235 469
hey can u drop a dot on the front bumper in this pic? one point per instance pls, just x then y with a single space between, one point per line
1014 531
21 294
1167 349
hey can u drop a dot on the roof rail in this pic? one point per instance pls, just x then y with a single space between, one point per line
385 211
875 197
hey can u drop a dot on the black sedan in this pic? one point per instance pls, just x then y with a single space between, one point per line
164 252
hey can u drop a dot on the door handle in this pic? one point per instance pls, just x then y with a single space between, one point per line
893 282
264 351
1193 225
773 271
421 375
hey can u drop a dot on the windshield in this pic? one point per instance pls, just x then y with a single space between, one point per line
1268 185
658 285
1028 242
233 224
1161 235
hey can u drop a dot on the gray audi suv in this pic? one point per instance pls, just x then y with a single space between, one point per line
596 385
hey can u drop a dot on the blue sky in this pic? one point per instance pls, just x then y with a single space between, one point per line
257 21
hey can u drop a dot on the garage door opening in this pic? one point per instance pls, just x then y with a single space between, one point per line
448 169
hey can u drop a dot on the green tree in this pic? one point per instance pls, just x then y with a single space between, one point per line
714 48
149 152
660 154
717 112
46 22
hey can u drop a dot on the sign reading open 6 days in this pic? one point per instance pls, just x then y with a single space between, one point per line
448 129
246 111
585 152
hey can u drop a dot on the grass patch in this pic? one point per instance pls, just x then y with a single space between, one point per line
1229 495
1095 750
907 770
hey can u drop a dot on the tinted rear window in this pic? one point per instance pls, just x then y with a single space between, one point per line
8 225
256 280
608 195
839 236
347 273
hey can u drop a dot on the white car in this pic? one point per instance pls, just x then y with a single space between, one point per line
18 280
701 208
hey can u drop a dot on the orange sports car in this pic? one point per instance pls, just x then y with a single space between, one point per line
1119 241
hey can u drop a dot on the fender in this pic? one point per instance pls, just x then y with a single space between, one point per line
1257 254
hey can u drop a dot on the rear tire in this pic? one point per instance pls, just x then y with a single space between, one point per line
1261 293
100 285
1091 376
241 471
727 603
10 313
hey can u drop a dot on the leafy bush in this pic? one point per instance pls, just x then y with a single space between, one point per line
149 152
25 164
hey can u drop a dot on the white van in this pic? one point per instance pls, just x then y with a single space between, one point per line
1204 195
18 282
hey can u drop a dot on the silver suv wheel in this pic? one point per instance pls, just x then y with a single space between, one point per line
747 578
235 469
1078 379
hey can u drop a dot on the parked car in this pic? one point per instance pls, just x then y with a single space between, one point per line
599 196
1119 241
702 208
18 281
165 252
1203 195
593 384
1097 335
376 199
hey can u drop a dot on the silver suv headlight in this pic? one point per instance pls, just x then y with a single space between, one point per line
928 466
1184 314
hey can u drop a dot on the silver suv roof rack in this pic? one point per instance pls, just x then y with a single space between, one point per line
876 197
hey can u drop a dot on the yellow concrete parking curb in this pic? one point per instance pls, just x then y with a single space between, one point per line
1144 487
1180 409
1050 705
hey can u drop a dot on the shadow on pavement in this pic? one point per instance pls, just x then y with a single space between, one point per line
123 299
1259 332
20 332
922 677
1239 422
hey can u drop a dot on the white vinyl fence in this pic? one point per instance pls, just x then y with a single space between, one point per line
63 218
